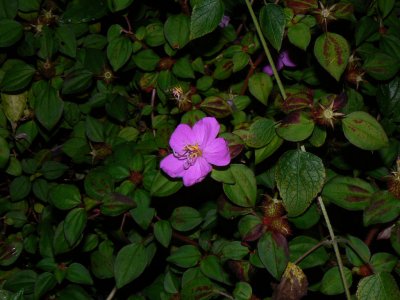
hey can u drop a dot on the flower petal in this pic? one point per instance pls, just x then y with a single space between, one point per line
172 166
285 58
268 70
217 152
197 172
182 136
205 130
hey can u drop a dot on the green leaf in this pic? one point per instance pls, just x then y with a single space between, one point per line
163 232
48 45
65 196
260 86
11 249
48 107
119 50
102 260
94 129
185 257
14 106
98 184
382 208
8 9
364 131
117 5
242 291
67 40
299 35
296 127
383 262
332 52
115 204
263 153
240 61
302 6
52 169
300 245
357 251
381 66
146 60
244 191
185 218
206 15
73 291
163 186
77 80
60 245
17 77
223 175
211 267
385 7
44 282
332 284
381 286
10 32
74 224
143 215
250 227
182 68
20 187
234 250
130 263
300 176
23 279
272 252
4 152
78 273
79 11
272 22
261 132
307 219
216 106
348 192
390 44
365 28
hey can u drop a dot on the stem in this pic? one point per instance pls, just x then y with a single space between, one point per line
311 250
153 100
224 294
335 247
112 293
266 50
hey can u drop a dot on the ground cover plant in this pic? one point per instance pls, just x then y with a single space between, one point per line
199 149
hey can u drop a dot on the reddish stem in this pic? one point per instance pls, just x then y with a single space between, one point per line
371 235
253 67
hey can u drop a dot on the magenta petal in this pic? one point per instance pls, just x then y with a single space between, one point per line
197 172
182 136
173 166
285 58
279 64
217 152
205 130
268 70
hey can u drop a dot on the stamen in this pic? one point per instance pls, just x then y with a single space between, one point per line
190 154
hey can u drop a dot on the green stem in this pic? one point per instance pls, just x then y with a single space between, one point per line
266 50
335 247
112 293
311 250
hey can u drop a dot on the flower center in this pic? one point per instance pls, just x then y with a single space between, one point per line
190 154
328 114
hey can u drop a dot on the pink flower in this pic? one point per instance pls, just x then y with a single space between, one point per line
224 21
283 61
195 150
